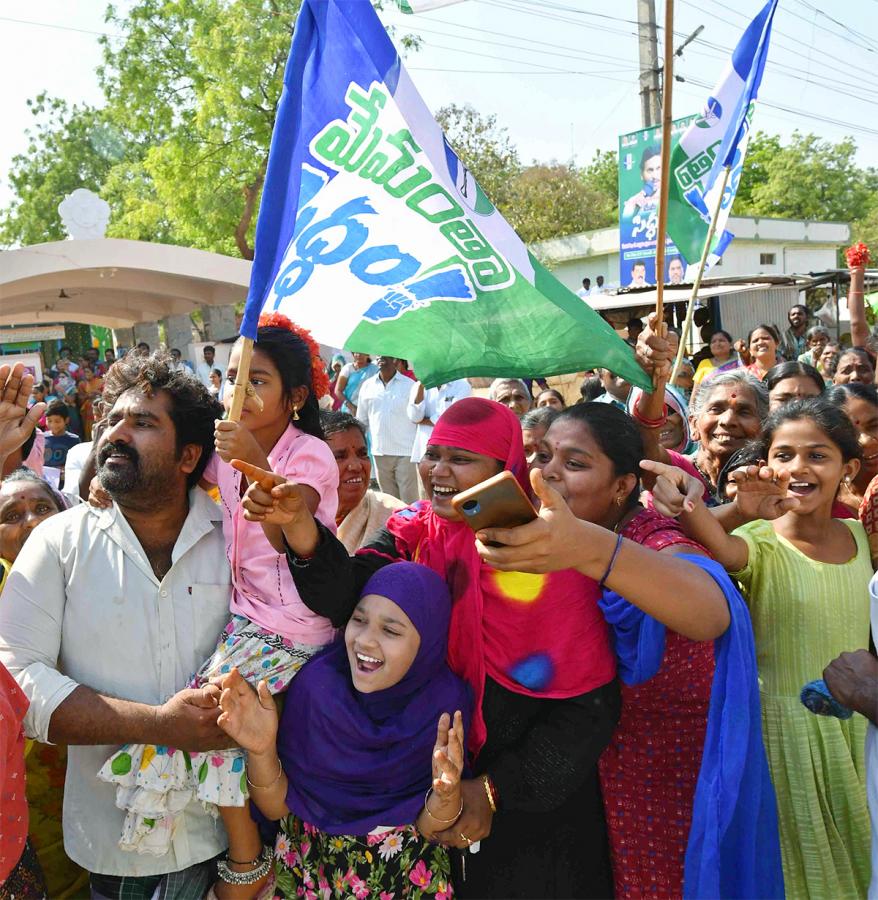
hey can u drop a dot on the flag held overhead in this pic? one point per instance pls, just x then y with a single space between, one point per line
376 237
717 140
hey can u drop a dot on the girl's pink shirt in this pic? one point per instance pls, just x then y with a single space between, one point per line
263 589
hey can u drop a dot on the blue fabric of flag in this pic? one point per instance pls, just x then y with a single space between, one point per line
330 44
748 60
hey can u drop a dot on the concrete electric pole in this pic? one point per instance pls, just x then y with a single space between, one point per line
650 93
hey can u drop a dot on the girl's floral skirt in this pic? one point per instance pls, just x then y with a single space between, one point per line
386 864
154 784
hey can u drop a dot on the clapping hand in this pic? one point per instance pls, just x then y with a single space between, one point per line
762 492
248 717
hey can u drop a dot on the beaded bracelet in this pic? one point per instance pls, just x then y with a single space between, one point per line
612 562
243 878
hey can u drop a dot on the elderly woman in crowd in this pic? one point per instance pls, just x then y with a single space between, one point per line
817 338
360 510
512 392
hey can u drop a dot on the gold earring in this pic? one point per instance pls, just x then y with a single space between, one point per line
295 413
620 500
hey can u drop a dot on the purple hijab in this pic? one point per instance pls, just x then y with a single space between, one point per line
357 761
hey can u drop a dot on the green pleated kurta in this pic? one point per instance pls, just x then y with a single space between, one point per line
805 613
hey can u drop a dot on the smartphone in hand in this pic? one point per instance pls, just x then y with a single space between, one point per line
497 502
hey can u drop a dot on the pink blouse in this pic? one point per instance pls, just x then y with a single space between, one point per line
262 586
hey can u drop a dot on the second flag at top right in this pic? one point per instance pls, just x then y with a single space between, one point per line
717 139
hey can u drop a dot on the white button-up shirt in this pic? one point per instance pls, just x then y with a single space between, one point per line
383 409
436 401
82 605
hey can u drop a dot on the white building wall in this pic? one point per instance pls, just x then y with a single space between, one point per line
798 247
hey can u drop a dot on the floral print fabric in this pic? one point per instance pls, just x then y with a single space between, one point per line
154 784
386 864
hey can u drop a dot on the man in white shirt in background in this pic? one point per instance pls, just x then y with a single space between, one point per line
424 408
585 290
382 407
207 365
108 612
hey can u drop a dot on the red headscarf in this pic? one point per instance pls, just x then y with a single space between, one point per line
539 635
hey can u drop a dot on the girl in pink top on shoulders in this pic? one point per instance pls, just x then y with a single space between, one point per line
272 633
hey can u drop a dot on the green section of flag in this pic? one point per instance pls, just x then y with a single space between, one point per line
523 331
686 228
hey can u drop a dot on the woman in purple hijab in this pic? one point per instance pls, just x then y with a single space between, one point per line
352 770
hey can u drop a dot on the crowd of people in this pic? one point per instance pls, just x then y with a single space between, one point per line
269 658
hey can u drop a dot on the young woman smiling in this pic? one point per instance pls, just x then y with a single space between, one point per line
762 342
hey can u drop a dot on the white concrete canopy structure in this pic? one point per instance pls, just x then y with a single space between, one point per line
114 283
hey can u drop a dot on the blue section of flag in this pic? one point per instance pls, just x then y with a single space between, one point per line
349 33
748 60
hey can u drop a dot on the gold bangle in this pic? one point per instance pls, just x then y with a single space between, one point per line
436 818
265 787
486 781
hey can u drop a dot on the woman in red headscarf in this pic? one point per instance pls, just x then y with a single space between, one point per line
534 649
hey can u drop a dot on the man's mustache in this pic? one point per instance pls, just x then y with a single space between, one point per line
112 449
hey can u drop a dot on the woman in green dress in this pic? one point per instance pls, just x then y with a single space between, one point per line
805 575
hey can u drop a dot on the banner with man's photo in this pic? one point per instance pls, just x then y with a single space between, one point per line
640 171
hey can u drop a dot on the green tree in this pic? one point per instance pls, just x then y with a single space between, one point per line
484 147
61 156
805 179
601 177
549 201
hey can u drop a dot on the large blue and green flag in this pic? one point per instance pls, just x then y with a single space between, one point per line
374 235
717 139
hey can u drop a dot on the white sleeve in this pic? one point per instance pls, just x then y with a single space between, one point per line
415 411
31 615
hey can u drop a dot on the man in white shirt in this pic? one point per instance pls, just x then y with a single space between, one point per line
207 365
585 290
424 408
382 407
598 287
108 612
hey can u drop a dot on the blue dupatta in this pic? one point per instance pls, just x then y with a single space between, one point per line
734 845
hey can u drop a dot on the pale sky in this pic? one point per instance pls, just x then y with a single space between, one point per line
561 75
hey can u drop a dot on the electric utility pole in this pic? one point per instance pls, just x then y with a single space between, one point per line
650 93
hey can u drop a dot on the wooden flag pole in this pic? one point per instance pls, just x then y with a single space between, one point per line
242 388
667 118
696 284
